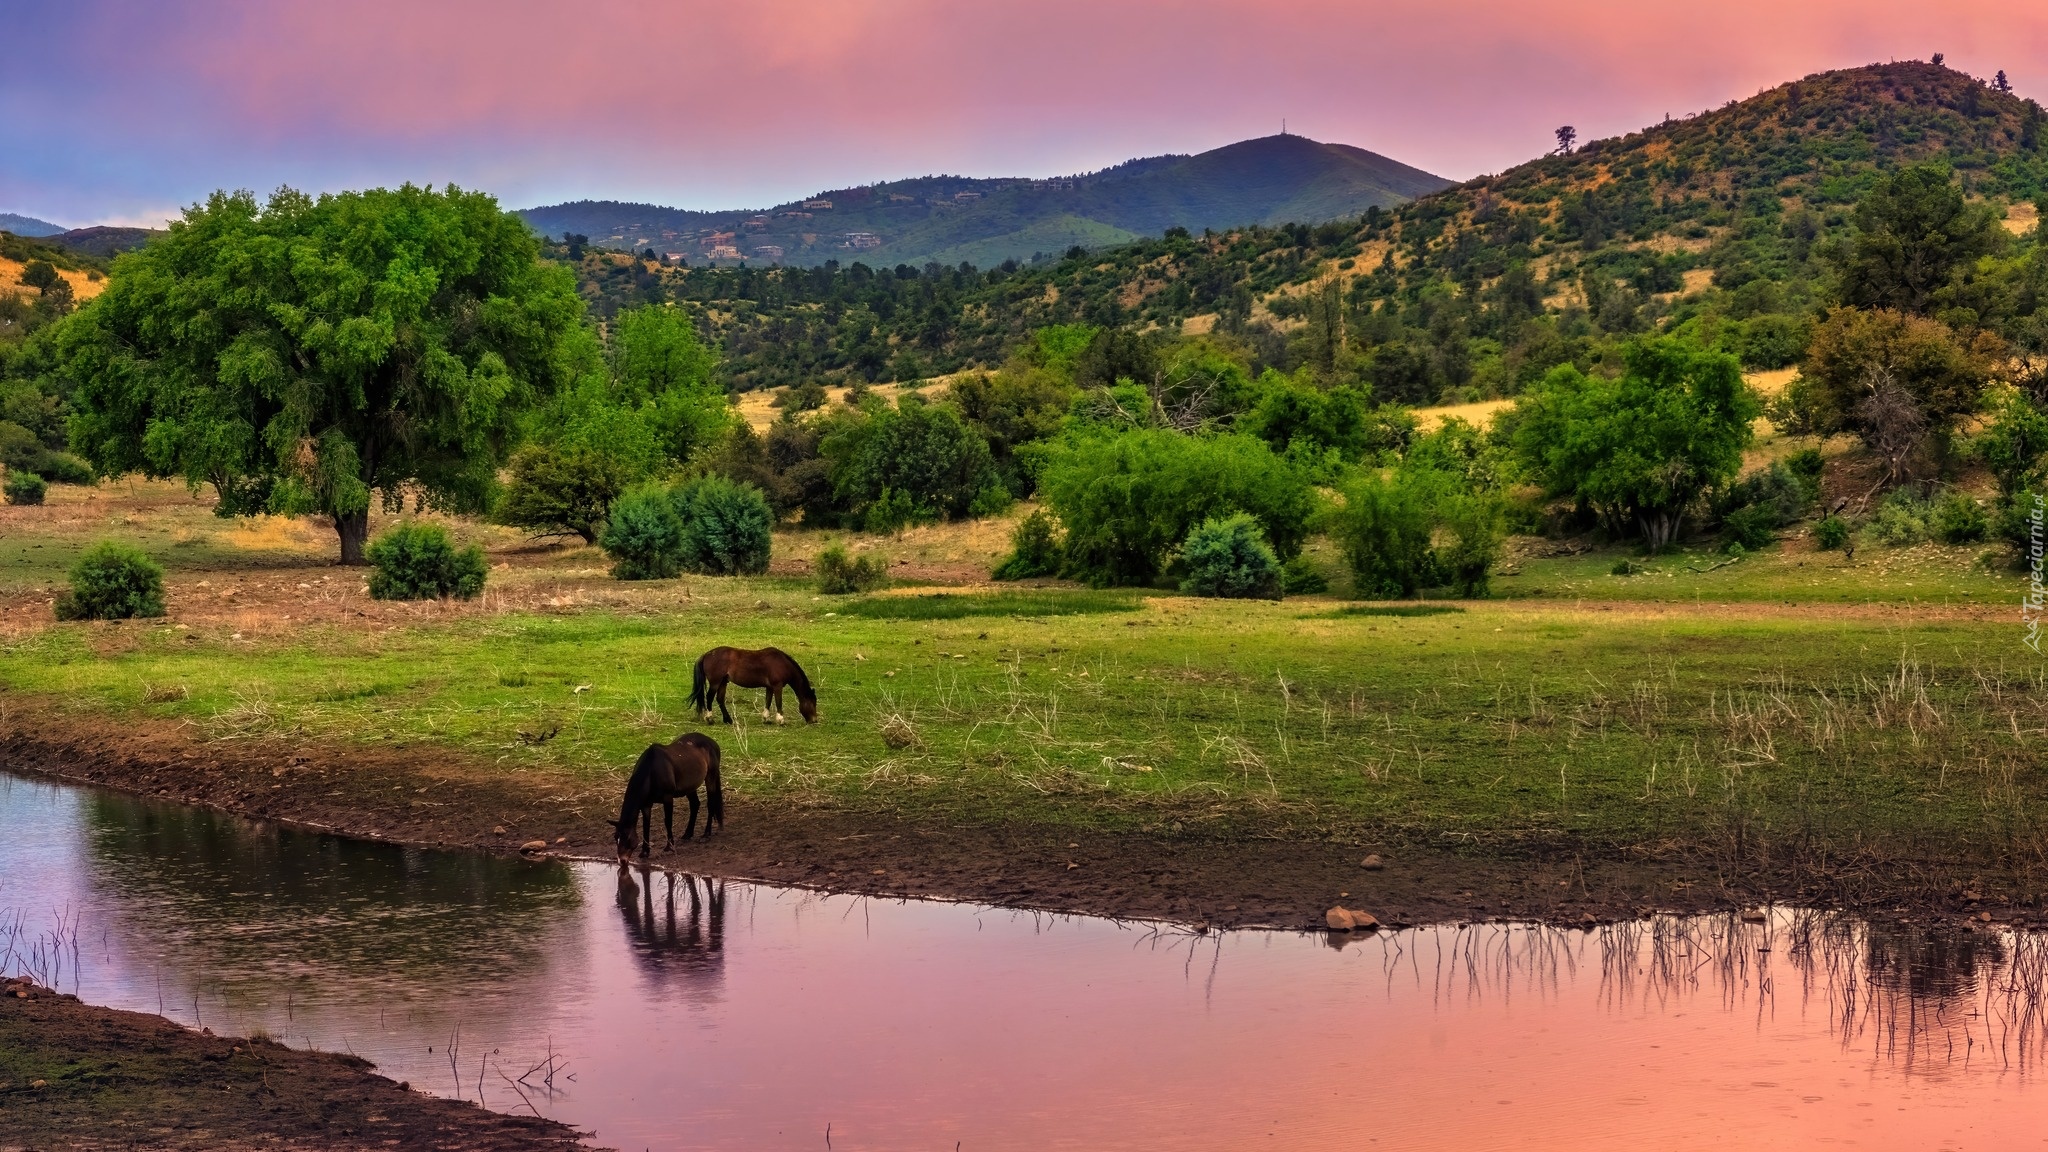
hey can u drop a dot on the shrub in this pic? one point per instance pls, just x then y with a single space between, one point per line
25 487
1807 464
1622 568
113 582
1127 500
839 574
1035 550
1779 491
1298 577
893 511
64 468
1384 529
1229 558
1751 527
1959 519
1476 524
920 456
727 526
1901 519
421 562
2013 444
644 536
22 451
562 491
2014 522
1831 533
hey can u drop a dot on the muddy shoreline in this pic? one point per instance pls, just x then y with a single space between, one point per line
77 1076
433 797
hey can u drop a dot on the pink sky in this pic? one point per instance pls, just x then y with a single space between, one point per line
740 104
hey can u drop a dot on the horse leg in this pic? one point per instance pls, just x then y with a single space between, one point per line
647 831
775 692
690 825
668 822
722 711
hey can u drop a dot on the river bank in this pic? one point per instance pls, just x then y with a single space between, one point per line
437 797
73 1075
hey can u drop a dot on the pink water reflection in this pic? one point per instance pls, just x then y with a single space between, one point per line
694 1015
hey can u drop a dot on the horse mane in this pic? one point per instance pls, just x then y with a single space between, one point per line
800 681
636 784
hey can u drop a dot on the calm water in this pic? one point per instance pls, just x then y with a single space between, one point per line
684 1015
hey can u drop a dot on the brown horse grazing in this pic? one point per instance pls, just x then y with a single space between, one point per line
666 771
769 668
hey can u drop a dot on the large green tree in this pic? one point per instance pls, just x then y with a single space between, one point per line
1912 232
1642 447
303 354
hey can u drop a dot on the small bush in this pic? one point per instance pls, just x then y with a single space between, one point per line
838 574
1901 519
1779 490
556 491
644 536
1229 558
727 526
1298 577
64 468
1831 533
1476 525
1622 568
893 511
1959 519
1035 549
25 488
2014 522
1751 527
1385 528
421 562
113 582
1807 464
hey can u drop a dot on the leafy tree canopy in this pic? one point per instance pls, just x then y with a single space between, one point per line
302 354
1642 447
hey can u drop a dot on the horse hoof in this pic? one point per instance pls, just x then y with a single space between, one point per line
779 719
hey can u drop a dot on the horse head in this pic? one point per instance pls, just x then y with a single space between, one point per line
625 836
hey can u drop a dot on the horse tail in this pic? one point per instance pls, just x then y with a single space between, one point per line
714 791
698 685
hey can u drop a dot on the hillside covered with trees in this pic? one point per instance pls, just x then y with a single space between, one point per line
955 219
1720 222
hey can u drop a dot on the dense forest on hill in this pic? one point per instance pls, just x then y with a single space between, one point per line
1721 221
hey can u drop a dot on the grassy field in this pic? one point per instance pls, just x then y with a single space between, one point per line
1791 708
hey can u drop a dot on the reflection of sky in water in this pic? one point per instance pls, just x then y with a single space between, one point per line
696 1014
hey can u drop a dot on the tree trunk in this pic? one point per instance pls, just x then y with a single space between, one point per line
354 529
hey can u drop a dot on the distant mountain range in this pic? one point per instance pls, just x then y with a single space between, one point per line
98 240
28 226
949 219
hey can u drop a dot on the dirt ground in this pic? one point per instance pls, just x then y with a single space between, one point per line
1217 881
75 1076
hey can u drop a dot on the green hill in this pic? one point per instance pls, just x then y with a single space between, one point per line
1274 180
1721 222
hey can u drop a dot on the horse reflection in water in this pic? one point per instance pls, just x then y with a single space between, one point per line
681 942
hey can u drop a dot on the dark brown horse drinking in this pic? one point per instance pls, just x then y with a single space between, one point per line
769 668
666 771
